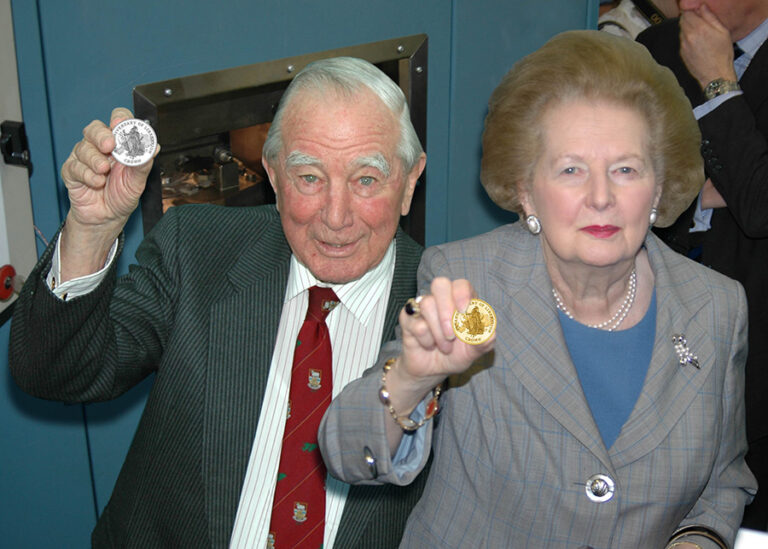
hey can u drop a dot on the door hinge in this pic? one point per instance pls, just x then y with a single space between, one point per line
14 145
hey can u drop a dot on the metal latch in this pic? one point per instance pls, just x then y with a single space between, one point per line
14 145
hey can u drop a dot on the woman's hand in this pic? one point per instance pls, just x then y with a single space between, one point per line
431 351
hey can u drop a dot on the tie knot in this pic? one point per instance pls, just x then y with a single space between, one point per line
321 302
737 51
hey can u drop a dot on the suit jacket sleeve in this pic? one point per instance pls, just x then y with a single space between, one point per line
97 346
736 157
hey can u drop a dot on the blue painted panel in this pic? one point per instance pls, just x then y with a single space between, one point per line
489 37
45 485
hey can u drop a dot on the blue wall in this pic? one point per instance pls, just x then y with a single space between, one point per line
80 58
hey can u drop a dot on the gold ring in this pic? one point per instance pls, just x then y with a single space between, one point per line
412 307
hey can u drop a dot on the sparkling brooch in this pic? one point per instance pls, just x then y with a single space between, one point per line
684 354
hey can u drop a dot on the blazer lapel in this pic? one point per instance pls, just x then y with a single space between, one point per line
683 306
532 340
243 328
753 80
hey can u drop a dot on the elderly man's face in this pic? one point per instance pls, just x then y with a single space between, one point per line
339 183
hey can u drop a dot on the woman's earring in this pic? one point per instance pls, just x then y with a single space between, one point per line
533 223
654 215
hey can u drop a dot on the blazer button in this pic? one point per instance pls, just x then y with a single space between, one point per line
599 488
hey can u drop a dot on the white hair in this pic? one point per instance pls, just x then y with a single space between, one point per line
348 75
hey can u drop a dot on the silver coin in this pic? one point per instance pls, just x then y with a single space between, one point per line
135 142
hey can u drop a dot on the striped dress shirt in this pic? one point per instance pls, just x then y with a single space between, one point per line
355 327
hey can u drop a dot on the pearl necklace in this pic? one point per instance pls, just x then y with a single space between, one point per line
615 321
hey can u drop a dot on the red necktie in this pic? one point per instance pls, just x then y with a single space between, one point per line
298 510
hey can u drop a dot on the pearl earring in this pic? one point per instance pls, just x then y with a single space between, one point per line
533 224
654 215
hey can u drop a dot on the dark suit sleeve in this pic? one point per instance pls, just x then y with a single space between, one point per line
736 157
97 346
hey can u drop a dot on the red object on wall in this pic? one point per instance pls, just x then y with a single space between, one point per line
7 272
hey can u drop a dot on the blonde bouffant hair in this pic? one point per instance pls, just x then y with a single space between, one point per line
595 66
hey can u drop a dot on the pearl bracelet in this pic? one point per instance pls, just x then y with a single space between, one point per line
406 423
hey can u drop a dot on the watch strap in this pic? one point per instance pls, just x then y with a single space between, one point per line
719 86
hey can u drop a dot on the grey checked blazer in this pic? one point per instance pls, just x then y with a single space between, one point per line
201 311
515 441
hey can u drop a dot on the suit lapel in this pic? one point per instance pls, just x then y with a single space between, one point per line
683 307
753 80
243 328
532 340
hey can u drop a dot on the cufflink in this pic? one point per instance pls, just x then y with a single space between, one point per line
370 461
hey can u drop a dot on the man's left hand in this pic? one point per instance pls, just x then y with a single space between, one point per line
706 46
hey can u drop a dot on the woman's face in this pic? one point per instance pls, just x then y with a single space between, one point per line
593 185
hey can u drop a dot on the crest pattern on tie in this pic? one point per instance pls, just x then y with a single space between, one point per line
298 510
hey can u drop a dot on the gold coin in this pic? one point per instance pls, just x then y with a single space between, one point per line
477 325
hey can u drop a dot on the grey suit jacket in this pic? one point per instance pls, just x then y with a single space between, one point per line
201 311
515 441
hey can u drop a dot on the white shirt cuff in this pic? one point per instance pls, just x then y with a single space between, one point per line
77 286
708 106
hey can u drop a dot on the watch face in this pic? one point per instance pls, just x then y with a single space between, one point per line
719 86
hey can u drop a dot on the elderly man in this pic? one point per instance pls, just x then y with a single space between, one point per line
718 51
215 308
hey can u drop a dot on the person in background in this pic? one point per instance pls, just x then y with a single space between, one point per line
608 410
215 307
718 52
628 18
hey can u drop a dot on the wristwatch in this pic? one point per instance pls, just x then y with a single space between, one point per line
719 86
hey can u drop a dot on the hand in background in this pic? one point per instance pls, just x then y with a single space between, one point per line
706 46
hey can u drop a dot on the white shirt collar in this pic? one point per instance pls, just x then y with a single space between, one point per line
357 295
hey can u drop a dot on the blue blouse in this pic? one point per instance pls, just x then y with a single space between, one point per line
611 367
